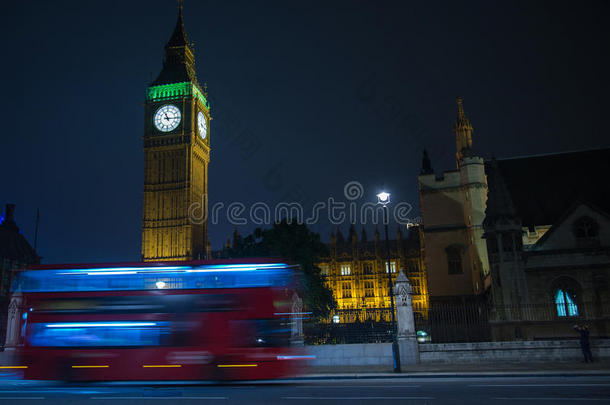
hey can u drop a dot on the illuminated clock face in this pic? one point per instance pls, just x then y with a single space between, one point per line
202 125
167 118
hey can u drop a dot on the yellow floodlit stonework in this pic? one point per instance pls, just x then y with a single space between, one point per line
356 270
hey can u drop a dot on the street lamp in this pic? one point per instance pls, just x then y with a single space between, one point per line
383 199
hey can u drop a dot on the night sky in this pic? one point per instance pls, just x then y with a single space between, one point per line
306 96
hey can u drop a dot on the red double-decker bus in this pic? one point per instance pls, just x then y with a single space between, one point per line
203 320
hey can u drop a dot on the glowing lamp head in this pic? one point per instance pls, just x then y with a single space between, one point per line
383 198
160 284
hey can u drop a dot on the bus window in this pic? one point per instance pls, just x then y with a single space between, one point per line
100 334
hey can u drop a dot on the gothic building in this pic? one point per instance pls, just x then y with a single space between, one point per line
356 270
176 156
527 236
548 238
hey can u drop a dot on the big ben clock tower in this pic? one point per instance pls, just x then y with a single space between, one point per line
176 157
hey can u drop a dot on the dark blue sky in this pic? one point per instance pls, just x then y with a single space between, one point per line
328 91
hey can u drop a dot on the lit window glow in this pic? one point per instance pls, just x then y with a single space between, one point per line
565 304
392 267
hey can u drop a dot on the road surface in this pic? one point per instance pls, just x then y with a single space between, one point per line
436 390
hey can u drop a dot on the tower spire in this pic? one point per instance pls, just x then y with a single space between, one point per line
179 37
462 129
460 104
179 61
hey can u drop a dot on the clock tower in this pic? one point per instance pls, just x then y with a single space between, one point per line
176 157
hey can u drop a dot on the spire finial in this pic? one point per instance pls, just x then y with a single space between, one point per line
462 129
178 38
460 104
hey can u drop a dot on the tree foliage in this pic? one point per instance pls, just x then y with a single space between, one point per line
297 244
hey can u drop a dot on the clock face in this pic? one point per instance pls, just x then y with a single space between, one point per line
202 125
167 118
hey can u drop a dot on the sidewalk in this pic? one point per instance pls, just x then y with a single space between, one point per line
464 370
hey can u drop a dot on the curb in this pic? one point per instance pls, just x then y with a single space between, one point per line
492 374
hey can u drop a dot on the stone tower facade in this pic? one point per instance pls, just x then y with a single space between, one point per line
176 157
453 210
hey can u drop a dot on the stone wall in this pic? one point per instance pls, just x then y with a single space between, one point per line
358 354
380 354
524 351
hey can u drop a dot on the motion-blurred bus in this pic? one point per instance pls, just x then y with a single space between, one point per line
203 320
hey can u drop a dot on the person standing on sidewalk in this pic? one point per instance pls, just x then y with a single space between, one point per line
585 345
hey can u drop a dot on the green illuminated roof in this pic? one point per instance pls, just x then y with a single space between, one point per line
174 91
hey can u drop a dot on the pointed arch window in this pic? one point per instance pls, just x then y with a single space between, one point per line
565 304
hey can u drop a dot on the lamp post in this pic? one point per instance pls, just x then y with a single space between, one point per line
383 199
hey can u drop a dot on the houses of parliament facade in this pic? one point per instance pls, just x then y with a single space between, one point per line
357 272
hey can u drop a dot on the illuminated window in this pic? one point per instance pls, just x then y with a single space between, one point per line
454 259
368 268
346 269
324 269
369 289
346 290
565 303
392 267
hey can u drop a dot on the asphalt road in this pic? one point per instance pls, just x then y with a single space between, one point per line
492 390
